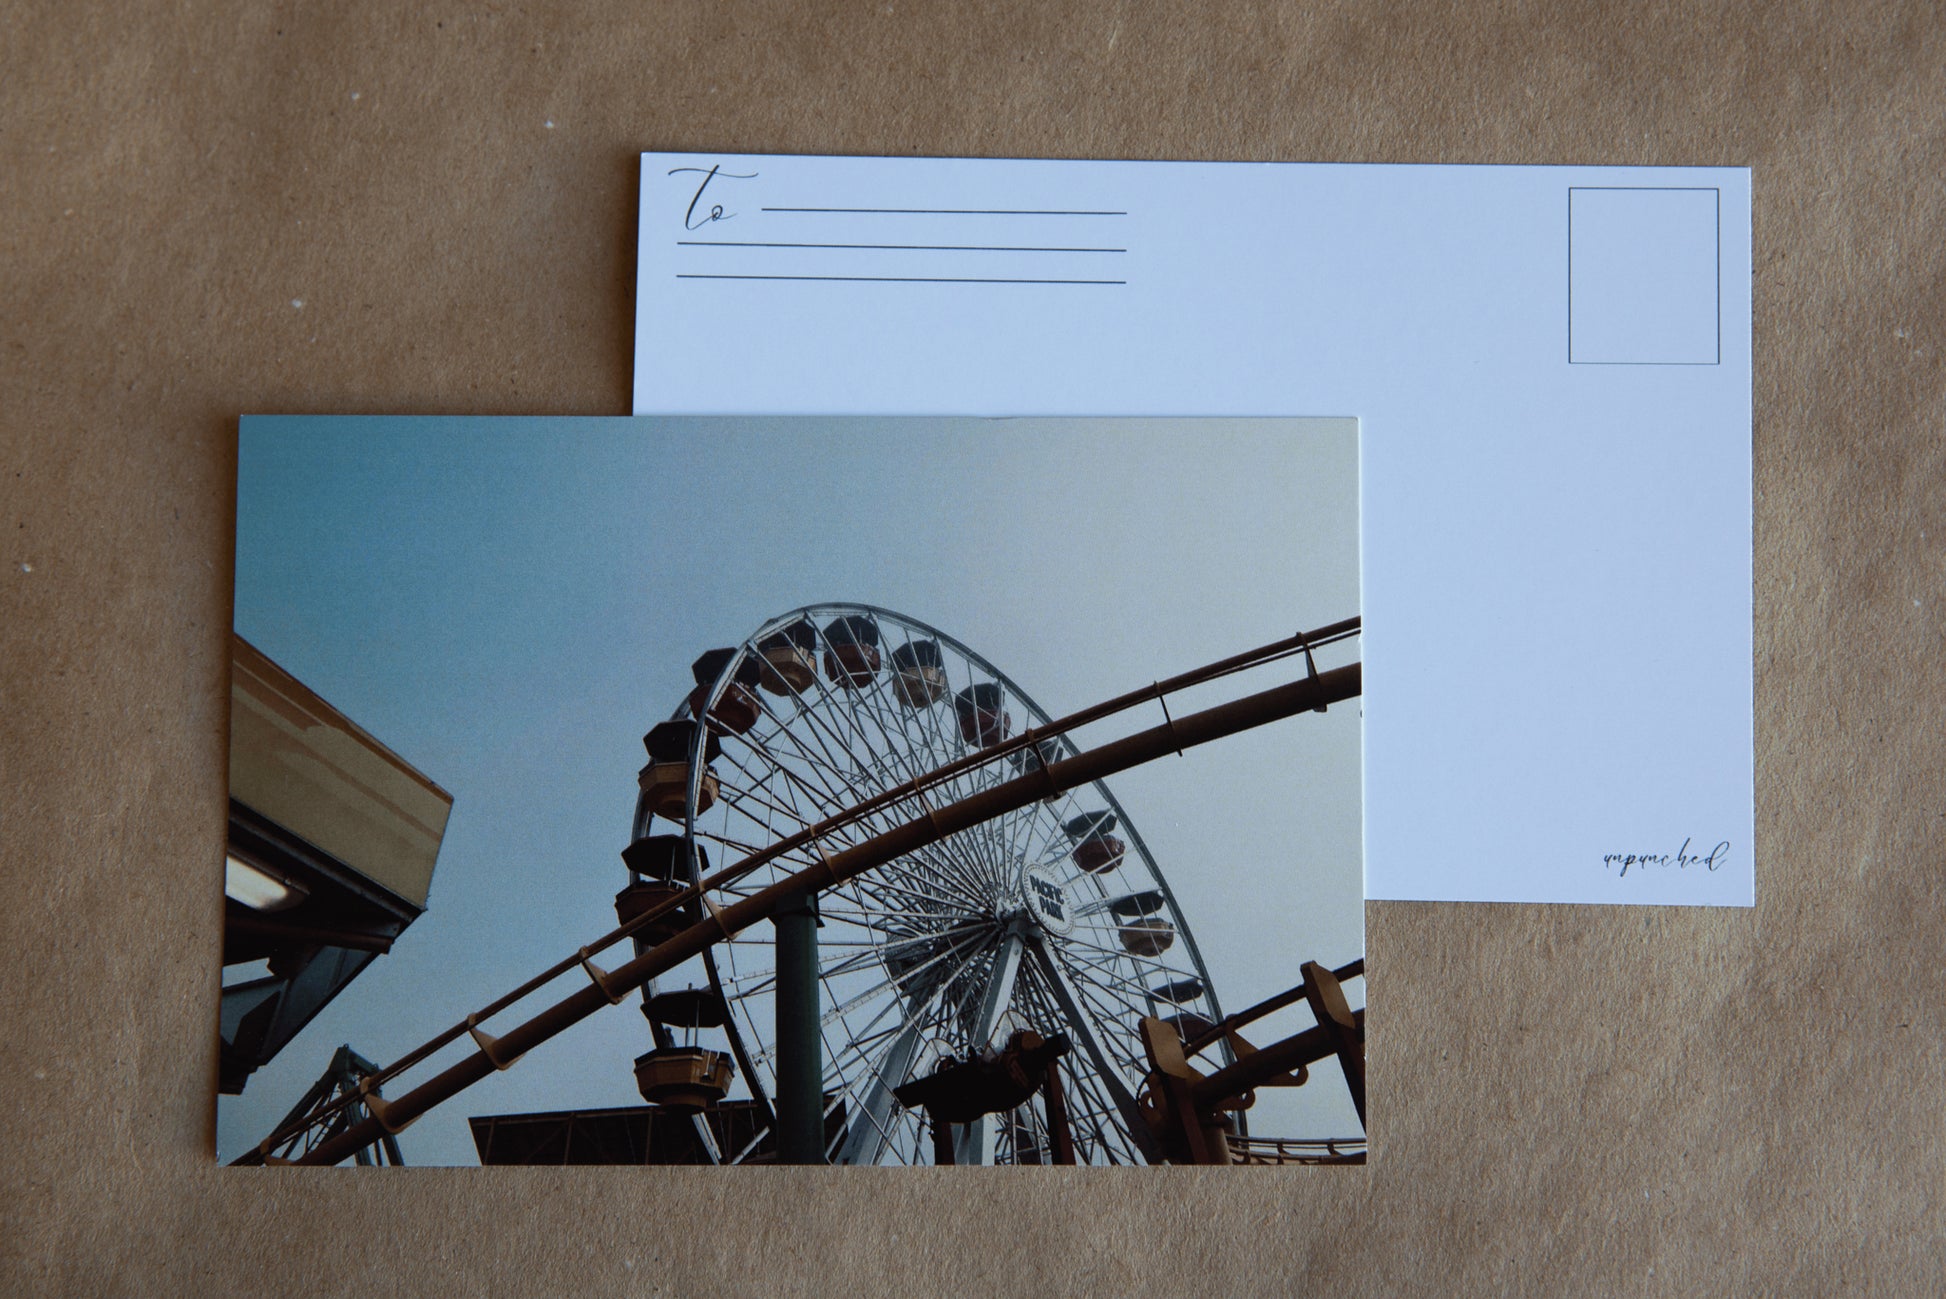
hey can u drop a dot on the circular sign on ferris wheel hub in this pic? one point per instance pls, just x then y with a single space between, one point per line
1046 899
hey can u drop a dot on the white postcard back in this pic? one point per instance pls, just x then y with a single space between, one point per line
1551 370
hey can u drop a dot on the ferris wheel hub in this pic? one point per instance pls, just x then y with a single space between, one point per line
1045 900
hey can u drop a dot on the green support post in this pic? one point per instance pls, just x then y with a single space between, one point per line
800 1055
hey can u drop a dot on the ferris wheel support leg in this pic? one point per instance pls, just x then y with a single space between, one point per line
975 1140
868 1140
800 1057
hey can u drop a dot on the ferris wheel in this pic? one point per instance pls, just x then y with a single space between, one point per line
1052 918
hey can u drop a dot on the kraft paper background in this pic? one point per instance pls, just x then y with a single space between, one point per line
1565 1100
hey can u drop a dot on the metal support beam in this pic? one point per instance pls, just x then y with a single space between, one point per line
1197 728
869 1126
800 1054
975 1142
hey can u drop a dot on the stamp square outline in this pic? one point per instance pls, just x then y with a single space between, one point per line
1717 194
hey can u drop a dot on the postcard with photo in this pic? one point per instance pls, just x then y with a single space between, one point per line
794 790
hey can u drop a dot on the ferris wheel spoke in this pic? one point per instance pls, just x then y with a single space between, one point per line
769 763
751 984
833 704
869 704
870 949
857 712
962 1014
785 761
1115 997
741 847
876 951
824 764
854 1049
872 953
958 856
970 853
931 725
915 760
1083 1028
1019 829
978 848
1115 1045
949 864
785 863
827 798
1153 963
948 857
864 916
1101 946
1078 946
823 783
749 825
984 851
1029 825
1116 1005
859 1049
1024 827
1116 1039
837 709
965 949
758 794
972 939
947 893
937 893
894 724
1056 854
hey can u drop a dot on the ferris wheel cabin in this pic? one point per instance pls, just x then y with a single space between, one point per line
736 710
919 673
1149 936
982 713
665 781
790 659
851 658
1096 847
658 869
685 1079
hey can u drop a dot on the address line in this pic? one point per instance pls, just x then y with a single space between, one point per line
926 248
944 211
895 279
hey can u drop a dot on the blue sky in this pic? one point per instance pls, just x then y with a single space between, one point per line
510 603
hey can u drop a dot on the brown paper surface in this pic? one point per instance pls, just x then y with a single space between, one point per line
343 207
